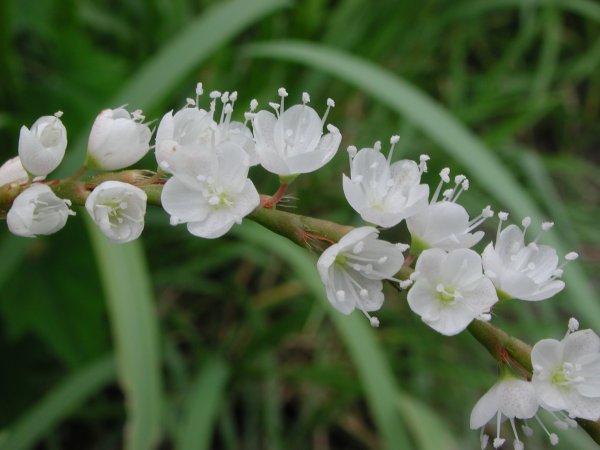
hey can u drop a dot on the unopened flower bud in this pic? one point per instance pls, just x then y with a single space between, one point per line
12 171
118 209
37 211
117 140
42 147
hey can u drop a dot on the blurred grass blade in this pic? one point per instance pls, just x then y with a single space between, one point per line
134 324
200 38
373 370
429 431
202 407
178 58
65 398
450 134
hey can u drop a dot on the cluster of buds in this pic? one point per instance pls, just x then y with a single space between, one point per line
203 159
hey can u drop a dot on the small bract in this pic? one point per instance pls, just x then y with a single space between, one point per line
12 171
353 269
37 211
450 290
42 147
566 374
118 139
292 141
118 209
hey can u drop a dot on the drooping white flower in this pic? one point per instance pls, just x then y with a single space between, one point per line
527 272
292 141
192 131
12 171
445 224
118 139
353 269
118 209
381 192
37 211
42 147
566 374
450 290
213 195
509 398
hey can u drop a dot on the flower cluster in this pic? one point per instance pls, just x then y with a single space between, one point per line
204 157
565 383
207 156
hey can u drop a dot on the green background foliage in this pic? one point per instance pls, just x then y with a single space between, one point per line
178 342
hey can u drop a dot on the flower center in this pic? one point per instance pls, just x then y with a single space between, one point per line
567 374
446 294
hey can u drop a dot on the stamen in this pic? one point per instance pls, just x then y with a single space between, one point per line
377 146
199 92
517 444
423 163
498 441
352 151
58 114
445 178
305 98
573 325
552 436
253 105
283 94
393 141
330 104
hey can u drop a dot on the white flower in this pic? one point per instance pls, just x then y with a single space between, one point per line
293 142
12 171
566 374
117 140
450 290
42 147
445 224
37 211
183 137
353 269
118 209
213 195
527 272
381 192
509 398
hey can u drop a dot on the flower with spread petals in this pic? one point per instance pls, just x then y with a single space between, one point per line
381 192
118 139
527 272
42 147
12 171
292 141
445 224
192 131
353 269
212 195
37 211
566 374
450 290
510 398
118 209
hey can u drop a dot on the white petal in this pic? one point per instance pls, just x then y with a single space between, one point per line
216 224
485 409
517 399
182 202
462 267
580 343
429 264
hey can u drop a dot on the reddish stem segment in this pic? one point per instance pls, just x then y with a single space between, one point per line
271 201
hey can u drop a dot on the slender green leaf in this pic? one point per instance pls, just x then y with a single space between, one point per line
203 405
135 332
65 398
429 431
450 134
369 360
